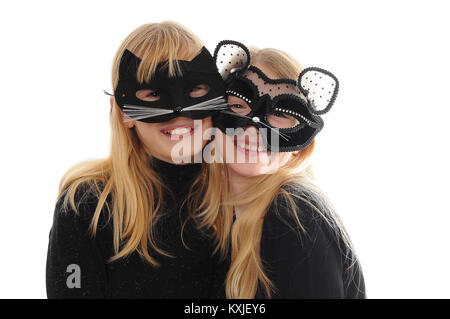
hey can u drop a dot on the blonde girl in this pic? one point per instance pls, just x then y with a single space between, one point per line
281 234
120 228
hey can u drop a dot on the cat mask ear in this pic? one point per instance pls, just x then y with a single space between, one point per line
129 64
320 87
231 56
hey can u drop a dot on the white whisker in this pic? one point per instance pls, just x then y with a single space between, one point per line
137 112
216 102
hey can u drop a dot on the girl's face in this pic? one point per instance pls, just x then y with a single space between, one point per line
173 141
249 145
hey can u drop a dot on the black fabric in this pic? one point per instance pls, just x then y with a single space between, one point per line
194 272
306 265
173 91
282 96
311 95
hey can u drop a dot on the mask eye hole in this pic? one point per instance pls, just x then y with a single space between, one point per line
238 105
199 90
281 119
148 95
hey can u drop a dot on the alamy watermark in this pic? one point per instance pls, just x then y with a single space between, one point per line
74 279
236 146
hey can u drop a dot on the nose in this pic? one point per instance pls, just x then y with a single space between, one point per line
255 119
179 120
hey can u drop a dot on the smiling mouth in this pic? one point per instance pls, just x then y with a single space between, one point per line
243 146
179 132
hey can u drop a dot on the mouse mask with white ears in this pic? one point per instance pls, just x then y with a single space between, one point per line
284 109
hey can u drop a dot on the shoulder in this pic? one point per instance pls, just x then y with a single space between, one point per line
297 211
81 210
300 224
305 236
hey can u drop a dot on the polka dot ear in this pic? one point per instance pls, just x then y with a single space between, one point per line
231 56
320 87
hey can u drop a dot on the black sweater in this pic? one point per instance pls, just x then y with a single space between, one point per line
307 265
193 272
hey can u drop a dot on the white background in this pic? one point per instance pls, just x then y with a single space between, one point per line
382 157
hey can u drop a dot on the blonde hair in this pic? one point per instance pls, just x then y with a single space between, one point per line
213 201
125 177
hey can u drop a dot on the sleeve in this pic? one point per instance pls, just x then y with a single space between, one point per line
75 266
356 287
306 265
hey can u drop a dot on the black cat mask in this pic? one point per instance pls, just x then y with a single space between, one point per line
289 110
198 93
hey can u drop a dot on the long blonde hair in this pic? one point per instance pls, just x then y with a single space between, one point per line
213 202
125 184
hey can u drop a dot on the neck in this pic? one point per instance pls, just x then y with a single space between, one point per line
180 160
178 178
238 184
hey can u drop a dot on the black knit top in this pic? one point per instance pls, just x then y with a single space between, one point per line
312 262
193 272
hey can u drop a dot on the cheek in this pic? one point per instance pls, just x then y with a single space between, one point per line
275 163
206 129
146 128
284 158
206 123
148 133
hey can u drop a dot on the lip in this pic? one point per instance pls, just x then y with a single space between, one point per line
172 127
246 151
249 138
239 141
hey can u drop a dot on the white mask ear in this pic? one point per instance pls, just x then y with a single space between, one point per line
320 88
231 56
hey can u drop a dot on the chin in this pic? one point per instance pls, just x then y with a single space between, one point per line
248 169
